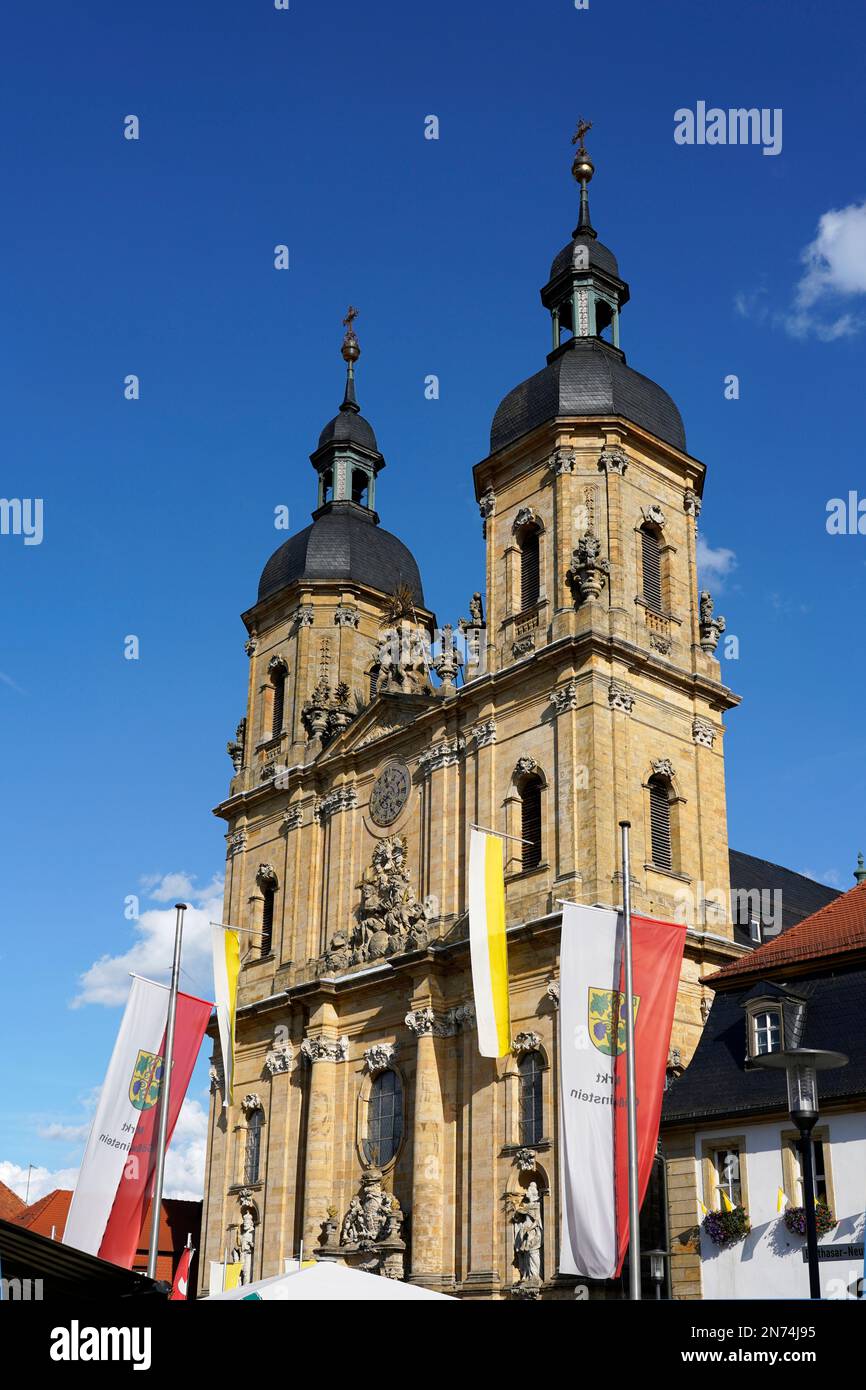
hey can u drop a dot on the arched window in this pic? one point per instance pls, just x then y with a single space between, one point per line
530 822
384 1118
651 560
530 567
766 1032
267 939
360 487
530 1069
278 681
660 822
253 1147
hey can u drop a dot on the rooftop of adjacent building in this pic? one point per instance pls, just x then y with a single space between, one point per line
815 972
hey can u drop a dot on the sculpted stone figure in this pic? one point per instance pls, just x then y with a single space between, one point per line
390 919
528 1236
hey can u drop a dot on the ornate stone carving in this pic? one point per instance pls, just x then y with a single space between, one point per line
589 569
525 1160
524 516
618 697
325 1049
674 1067
564 697
347 617
486 506
403 656
293 818
660 643
655 515
236 842
277 664
711 628
389 919
279 1057
464 1016
304 616
426 1023
242 1253
266 878
251 644
251 1102
524 645
449 659
703 732
379 1056
663 768
371 1230
561 460
552 992
236 746
613 460
314 712
341 799
528 1242
525 1042
217 1077
483 734
691 503
443 754
525 767
390 793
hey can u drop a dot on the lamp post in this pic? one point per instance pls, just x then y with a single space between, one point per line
657 1268
801 1066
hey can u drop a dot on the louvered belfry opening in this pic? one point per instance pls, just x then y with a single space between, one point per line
530 571
652 568
660 823
530 822
267 922
279 682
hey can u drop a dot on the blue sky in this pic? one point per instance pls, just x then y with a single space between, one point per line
155 257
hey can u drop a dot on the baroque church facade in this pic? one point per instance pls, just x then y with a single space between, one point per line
582 689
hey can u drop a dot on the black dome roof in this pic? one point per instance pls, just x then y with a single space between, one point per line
349 427
587 376
600 257
343 542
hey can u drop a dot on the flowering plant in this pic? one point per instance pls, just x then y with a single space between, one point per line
795 1219
727 1227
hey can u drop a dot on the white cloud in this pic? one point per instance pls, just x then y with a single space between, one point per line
69 1134
835 269
106 981
714 564
184 1161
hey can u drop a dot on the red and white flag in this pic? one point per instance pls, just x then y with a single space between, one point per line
593 1114
116 1174
180 1287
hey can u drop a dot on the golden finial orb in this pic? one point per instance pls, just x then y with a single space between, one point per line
583 167
351 349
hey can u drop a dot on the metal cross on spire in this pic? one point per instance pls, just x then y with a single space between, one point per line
583 128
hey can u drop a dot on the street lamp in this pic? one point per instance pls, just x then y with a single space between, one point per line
657 1268
801 1066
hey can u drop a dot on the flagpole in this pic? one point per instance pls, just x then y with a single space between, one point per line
634 1291
164 1090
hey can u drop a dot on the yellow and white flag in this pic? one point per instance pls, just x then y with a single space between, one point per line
781 1201
226 944
702 1208
727 1204
487 944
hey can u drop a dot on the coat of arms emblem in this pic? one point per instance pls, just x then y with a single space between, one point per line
146 1080
606 1019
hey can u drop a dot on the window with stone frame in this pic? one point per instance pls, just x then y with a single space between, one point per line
253 1147
661 842
652 586
384 1118
267 937
530 822
530 1070
530 566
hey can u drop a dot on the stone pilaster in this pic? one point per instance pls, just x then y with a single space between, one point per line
323 1055
428 1142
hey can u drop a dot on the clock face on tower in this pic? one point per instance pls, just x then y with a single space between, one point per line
389 794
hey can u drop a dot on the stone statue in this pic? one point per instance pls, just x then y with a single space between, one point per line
403 658
243 1251
354 1225
710 628
589 569
390 919
370 1236
528 1237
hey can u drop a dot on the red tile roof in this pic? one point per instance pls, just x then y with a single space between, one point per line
837 930
11 1204
50 1210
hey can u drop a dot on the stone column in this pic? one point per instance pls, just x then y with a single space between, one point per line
281 1135
428 1141
322 1054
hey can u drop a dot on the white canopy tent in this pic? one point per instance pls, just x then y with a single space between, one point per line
328 1282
